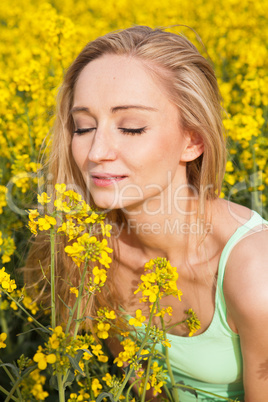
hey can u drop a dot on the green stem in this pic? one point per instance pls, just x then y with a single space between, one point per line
5 329
61 388
174 325
7 393
10 396
128 376
172 380
71 317
13 389
205 392
52 277
77 306
79 298
130 388
256 200
147 376
8 372
86 306
167 392
24 310
167 361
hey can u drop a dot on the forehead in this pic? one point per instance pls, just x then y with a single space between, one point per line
116 78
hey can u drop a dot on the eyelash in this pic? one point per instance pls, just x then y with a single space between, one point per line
132 131
83 130
127 131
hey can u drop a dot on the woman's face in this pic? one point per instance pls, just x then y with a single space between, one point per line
127 142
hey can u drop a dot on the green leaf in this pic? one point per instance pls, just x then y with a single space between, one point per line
69 380
13 368
105 395
75 361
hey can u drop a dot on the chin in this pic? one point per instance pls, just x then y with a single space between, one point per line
104 204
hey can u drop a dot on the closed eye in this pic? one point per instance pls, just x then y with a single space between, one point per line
132 131
84 130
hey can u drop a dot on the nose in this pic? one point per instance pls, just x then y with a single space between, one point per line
103 147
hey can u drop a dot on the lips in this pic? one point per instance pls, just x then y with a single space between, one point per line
106 179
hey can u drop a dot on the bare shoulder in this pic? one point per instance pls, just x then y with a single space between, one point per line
246 295
228 216
246 274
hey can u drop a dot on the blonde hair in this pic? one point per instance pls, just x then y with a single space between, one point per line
191 85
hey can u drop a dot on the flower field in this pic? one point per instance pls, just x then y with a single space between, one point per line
38 41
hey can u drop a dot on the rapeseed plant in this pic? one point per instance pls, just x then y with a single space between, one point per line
66 356
234 33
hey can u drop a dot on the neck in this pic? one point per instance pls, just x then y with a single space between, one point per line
165 233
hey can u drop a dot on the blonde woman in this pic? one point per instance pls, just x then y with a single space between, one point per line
139 133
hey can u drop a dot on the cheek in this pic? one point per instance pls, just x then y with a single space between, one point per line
167 151
79 151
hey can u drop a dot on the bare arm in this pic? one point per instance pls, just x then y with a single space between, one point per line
246 292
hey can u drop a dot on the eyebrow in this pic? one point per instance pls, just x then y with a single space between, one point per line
126 107
115 109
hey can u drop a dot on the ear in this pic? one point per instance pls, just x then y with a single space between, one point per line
194 147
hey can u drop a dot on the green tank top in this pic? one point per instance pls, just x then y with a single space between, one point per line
211 361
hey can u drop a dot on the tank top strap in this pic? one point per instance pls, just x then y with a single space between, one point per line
254 221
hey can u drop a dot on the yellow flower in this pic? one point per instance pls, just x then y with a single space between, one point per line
229 166
73 397
103 330
106 229
97 351
87 356
43 359
54 339
164 311
130 349
33 227
103 359
161 282
51 358
96 386
30 305
166 342
74 291
40 358
43 198
88 247
7 248
76 253
60 188
58 330
71 229
110 314
92 218
13 305
33 214
73 195
99 275
36 382
108 379
46 223
61 206
142 383
192 322
230 179
7 284
137 322
3 337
